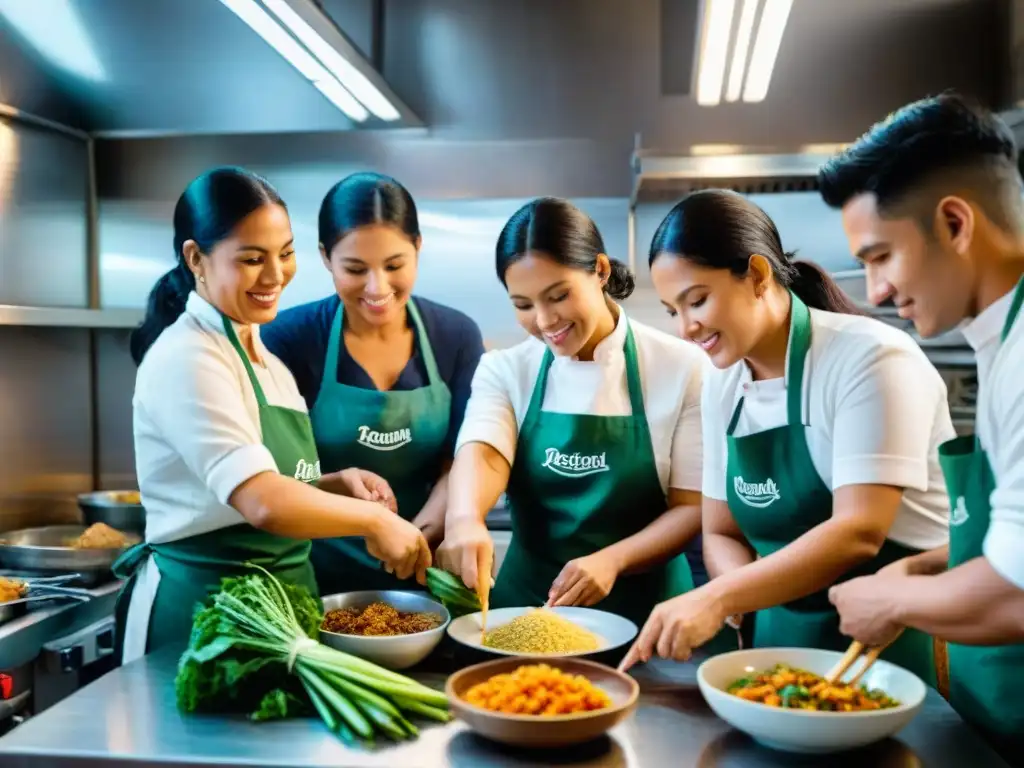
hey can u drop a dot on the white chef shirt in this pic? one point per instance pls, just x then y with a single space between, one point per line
999 425
878 411
670 377
197 437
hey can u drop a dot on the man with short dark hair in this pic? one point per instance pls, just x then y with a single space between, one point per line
933 206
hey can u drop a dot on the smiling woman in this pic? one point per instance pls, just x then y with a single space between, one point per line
227 466
820 463
386 376
591 427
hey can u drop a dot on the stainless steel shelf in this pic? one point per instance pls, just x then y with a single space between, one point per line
67 317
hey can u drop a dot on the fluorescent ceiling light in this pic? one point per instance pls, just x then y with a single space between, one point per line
55 29
264 25
766 48
714 49
348 74
738 67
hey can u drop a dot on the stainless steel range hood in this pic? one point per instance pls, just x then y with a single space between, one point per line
663 178
136 68
659 178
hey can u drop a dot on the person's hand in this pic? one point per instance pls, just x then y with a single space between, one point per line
677 626
400 546
865 608
361 484
468 552
431 524
585 580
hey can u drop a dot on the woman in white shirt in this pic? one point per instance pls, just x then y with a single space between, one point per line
225 455
821 431
591 426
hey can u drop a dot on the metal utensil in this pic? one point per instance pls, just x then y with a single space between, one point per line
110 507
46 550
51 591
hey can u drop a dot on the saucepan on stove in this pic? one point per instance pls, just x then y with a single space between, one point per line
63 549
121 510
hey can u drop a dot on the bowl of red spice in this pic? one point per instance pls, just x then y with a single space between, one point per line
392 628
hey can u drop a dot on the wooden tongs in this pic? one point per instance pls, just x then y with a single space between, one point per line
853 653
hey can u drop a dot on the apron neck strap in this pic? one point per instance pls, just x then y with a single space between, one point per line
337 328
333 344
229 331
426 350
636 395
796 362
1015 305
799 346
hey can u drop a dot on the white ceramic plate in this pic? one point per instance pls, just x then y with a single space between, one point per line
795 730
612 630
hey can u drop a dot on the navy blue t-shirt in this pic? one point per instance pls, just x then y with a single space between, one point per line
299 337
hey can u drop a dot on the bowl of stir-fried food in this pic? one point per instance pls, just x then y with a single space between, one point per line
780 697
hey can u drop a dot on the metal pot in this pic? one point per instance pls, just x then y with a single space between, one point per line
112 508
45 550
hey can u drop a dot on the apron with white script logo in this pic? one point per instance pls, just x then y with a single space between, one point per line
399 434
986 683
775 496
192 568
580 483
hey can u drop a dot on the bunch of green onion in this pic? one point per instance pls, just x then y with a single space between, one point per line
252 645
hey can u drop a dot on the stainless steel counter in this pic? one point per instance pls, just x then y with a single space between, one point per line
22 639
129 717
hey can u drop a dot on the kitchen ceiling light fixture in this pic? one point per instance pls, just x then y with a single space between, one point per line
766 48
264 25
716 27
354 81
754 50
741 49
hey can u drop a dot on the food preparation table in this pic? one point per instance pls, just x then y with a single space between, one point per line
128 718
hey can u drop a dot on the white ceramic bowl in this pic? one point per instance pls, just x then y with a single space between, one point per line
392 651
794 730
614 631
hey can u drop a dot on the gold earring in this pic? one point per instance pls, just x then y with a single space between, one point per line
202 279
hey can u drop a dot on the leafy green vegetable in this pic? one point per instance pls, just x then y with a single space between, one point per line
253 643
743 682
452 592
791 692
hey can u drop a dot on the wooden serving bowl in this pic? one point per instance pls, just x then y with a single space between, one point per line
537 730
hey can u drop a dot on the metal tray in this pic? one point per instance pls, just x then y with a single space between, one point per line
44 550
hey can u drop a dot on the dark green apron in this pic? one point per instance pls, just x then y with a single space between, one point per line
400 435
775 495
192 568
580 483
986 683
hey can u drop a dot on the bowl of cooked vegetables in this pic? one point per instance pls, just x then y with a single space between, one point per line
780 698
541 703
391 628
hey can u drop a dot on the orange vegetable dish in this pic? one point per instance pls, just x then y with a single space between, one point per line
538 689
790 688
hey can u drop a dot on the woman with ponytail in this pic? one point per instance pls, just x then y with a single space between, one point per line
591 427
226 460
821 430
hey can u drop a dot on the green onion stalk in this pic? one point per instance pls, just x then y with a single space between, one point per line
252 643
